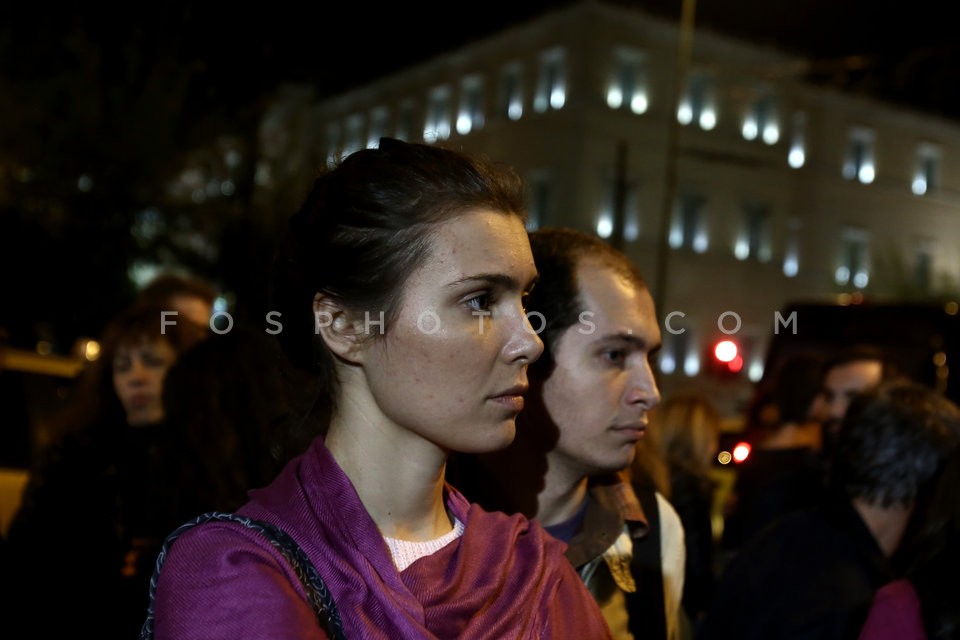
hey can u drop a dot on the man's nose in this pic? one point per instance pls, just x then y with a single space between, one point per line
643 389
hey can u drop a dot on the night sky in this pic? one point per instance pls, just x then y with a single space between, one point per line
910 48
245 51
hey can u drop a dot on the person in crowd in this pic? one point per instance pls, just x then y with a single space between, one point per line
850 371
91 516
402 283
814 573
685 431
785 470
591 394
924 602
191 298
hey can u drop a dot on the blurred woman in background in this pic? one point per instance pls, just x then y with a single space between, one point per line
92 515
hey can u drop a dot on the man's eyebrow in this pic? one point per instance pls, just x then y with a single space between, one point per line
497 279
633 339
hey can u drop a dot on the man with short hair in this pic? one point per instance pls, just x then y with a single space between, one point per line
590 393
813 574
849 372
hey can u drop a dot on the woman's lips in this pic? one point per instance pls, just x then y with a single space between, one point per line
511 398
513 402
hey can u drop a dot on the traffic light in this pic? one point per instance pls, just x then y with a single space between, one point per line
725 358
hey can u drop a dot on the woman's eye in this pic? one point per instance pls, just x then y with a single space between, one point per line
155 362
480 302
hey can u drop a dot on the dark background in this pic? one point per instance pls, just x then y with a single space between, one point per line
123 95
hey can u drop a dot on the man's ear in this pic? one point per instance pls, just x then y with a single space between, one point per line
341 331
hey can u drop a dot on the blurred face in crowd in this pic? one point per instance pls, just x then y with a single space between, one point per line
452 368
138 373
602 386
840 385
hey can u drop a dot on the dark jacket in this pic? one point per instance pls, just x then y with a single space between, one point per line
810 575
92 519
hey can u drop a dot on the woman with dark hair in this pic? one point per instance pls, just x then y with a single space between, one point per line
94 509
401 283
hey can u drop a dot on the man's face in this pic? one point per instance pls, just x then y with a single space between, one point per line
602 386
840 385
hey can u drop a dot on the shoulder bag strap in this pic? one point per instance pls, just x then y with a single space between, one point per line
317 592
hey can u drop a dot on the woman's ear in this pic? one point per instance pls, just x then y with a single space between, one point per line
341 331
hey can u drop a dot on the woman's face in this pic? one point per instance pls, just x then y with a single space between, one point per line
138 373
452 368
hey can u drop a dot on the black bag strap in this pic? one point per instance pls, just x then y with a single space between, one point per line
317 592
647 611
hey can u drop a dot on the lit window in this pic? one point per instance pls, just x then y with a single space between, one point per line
761 120
926 178
798 153
539 201
858 163
688 227
607 218
511 92
667 361
691 359
470 117
678 349
753 241
791 252
628 84
854 263
605 224
353 140
697 104
631 219
551 87
406 120
437 126
379 117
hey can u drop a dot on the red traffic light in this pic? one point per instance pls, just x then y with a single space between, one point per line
741 451
727 353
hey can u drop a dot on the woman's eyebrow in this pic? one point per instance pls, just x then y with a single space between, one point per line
494 279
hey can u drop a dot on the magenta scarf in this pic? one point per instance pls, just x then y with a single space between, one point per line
504 578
